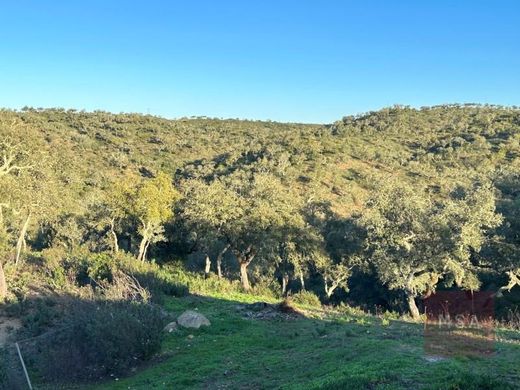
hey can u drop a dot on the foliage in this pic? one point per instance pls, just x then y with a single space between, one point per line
98 339
159 281
268 203
404 224
306 298
380 206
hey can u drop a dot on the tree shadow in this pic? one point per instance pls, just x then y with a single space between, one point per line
249 343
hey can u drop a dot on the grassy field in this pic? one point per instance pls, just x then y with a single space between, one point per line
326 349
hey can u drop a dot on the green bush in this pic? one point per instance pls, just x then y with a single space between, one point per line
18 280
351 310
390 315
40 315
161 284
306 298
69 270
90 268
52 266
213 285
156 279
98 339
99 267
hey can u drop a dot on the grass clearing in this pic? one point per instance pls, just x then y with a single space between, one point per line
334 350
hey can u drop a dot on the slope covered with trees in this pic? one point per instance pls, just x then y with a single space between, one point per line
401 201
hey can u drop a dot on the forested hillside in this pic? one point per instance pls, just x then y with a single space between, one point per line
379 209
117 210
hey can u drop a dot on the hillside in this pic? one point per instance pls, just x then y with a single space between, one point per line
331 170
125 220
433 144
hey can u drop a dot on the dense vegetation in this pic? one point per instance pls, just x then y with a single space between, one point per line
374 210
284 200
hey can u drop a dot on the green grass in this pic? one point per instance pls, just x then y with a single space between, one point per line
340 350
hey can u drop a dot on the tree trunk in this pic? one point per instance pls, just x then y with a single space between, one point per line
115 246
412 306
219 268
21 238
219 260
207 268
285 282
142 249
302 281
243 276
146 250
3 284
244 258
329 290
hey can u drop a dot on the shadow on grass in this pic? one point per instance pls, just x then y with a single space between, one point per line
99 329
243 348
332 350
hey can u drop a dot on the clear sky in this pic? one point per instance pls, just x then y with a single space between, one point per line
286 60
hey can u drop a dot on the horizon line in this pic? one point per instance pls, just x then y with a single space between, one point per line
206 117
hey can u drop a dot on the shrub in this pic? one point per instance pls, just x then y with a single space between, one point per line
40 315
124 287
157 280
213 285
18 280
390 315
115 276
306 298
89 268
61 268
11 375
98 339
161 284
99 267
351 310
49 265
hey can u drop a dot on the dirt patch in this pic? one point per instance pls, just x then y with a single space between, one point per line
268 311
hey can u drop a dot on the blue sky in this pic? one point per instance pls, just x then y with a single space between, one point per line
286 60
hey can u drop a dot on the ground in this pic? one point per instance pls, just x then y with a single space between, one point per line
7 327
326 349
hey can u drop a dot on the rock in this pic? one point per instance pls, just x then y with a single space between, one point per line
155 140
190 336
192 319
171 327
434 359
